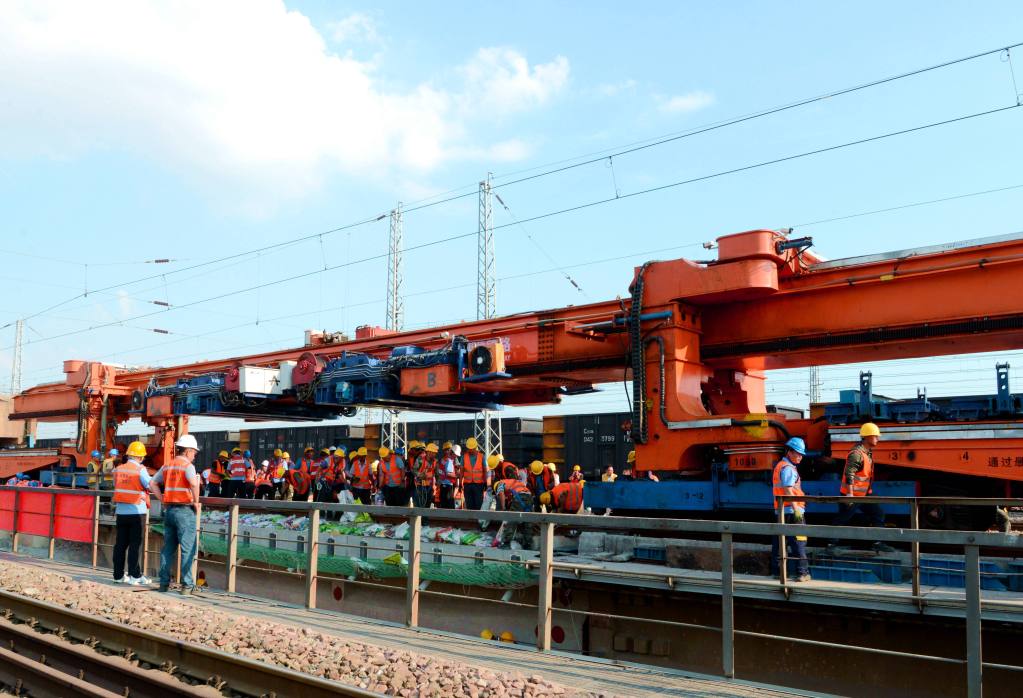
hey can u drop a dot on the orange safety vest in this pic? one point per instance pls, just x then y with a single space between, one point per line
217 473
306 465
567 497
361 474
128 484
779 491
863 479
250 471
474 472
262 477
392 471
176 488
425 471
237 467
517 493
299 481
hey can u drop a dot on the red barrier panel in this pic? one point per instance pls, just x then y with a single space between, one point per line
74 518
73 514
7 511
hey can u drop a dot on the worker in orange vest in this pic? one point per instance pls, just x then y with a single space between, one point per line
391 478
264 481
447 477
425 472
177 486
539 480
249 491
299 480
363 480
131 502
577 474
218 473
415 449
511 494
786 481
307 460
339 465
473 475
322 477
234 486
857 481
566 498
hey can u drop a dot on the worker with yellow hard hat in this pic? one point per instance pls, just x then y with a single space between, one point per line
473 472
425 473
131 502
363 481
566 498
447 476
217 475
391 477
577 474
857 481
511 494
539 480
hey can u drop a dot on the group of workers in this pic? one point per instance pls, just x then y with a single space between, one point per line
857 480
428 475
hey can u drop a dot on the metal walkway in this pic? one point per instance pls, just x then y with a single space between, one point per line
570 670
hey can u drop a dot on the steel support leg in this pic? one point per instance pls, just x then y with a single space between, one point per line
727 608
974 661
546 584
415 528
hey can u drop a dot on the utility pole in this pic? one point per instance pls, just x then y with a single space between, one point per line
19 331
393 430
815 384
487 427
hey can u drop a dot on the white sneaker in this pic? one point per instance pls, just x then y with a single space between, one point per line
143 581
131 581
122 580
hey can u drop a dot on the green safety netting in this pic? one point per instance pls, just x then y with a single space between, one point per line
487 574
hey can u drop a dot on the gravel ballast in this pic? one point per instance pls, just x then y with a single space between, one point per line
384 670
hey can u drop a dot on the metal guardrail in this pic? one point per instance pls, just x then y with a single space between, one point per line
970 542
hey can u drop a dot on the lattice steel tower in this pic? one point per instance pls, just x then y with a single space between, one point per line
487 427
392 427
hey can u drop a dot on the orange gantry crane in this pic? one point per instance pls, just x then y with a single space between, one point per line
695 339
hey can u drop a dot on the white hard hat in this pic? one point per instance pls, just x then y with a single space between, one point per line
187 441
265 463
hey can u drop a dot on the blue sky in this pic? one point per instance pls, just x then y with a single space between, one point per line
132 132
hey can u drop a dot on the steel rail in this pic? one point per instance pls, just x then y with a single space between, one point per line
241 675
36 679
112 675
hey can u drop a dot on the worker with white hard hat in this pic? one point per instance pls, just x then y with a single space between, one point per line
176 484
857 481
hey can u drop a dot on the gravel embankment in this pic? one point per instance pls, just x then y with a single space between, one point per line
384 670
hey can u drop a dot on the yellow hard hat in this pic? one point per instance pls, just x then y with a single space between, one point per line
340 453
447 445
236 450
553 468
472 444
507 637
869 429
225 454
308 449
277 452
493 461
576 468
414 444
285 455
325 451
136 448
536 467
431 448
487 634
384 451
545 498
632 457
362 451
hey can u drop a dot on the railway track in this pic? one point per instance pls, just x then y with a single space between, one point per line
47 651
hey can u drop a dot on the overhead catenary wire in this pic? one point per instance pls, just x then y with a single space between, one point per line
625 150
569 209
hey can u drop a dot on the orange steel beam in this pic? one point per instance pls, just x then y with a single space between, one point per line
711 330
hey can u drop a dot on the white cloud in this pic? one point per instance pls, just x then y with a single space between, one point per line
688 102
356 27
613 89
241 93
502 80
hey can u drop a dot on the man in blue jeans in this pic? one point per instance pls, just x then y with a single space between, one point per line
786 481
180 497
